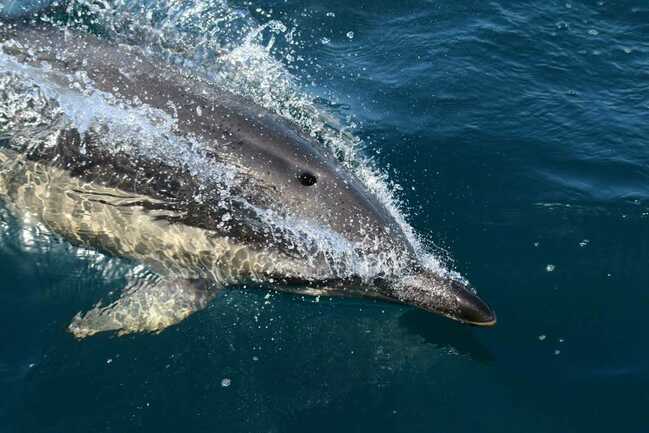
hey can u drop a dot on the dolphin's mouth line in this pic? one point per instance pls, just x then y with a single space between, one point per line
487 324
426 291
324 290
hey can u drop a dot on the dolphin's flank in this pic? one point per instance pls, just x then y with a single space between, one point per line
113 149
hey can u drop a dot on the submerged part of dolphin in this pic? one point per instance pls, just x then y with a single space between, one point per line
115 150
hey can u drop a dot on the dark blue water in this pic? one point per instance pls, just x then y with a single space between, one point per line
517 134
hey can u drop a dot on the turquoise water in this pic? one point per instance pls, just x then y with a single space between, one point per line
516 132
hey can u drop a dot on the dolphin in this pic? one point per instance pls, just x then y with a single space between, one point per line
112 148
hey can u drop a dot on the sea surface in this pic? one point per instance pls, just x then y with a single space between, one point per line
512 136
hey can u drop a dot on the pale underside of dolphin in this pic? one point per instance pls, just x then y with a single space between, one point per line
204 187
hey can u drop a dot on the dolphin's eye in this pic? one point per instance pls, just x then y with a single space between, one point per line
307 178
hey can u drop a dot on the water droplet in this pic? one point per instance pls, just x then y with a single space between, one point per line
549 268
350 35
542 337
325 41
225 382
593 32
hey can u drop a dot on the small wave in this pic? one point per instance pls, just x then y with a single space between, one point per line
22 8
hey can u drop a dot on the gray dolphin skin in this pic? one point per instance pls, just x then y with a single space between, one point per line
112 148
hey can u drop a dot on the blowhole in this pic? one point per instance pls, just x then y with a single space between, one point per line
307 178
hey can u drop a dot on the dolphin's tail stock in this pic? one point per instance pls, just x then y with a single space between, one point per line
442 295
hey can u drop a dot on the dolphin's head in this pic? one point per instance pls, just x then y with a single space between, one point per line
307 182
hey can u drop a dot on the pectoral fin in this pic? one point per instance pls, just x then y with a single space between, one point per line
146 306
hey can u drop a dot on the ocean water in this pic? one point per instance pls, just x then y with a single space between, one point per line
511 136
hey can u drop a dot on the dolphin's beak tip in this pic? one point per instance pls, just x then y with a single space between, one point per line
476 312
480 315
447 297
487 322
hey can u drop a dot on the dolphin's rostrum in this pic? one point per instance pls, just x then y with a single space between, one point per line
114 149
